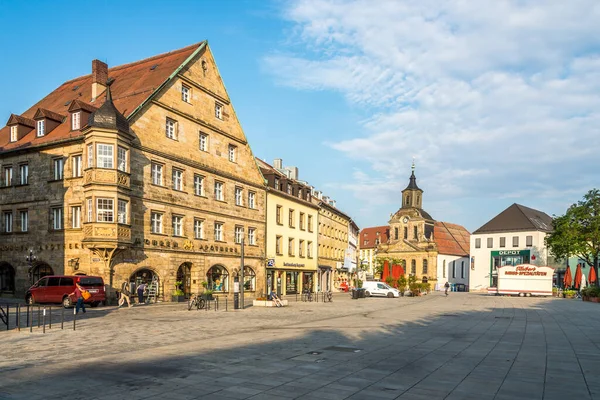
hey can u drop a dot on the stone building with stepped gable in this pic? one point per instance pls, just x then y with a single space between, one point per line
134 173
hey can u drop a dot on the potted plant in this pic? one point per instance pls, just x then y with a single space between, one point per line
591 293
401 282
178 295
569 294
390 281
208 294
554 292
413 286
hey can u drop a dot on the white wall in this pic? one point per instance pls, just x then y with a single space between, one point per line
459 262
479 277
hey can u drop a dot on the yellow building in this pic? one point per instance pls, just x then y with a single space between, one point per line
333 244
154 183
291 233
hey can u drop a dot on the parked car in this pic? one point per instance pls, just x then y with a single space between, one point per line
373 288
57 288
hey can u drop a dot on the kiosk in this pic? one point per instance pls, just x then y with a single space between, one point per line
523 280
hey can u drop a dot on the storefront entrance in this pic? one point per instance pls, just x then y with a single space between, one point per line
502 258
184 276
7 278
39 271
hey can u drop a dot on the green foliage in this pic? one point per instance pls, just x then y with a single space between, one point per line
577 233
178 291
569 293
379 263
401 283
425 286
413 286
390 281
591 291
204 284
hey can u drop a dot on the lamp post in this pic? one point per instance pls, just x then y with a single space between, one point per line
30 258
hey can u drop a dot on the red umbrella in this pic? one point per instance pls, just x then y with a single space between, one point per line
567 280
578 276
592 275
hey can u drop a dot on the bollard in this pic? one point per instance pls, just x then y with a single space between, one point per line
39 315
18 317
27 316
225 303
62 318
217 304
50 312
31 324
74 317
7 315
44 322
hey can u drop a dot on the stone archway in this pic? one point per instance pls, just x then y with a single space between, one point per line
40 270
184 275
249 279
218 279
7 278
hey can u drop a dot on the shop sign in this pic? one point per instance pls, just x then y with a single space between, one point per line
41 247
270 262
525 270
285 264
189 245
510 253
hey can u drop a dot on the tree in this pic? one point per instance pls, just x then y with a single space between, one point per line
577 233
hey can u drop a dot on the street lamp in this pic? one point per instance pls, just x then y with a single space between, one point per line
30 258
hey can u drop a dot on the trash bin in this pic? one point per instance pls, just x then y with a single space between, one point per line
361 293
453 287
354 294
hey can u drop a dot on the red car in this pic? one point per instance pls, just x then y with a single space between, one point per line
57 288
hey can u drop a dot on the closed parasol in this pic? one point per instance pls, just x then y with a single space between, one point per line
568 279
592 275
577 279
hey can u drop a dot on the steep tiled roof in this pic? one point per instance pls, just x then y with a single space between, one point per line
17 119
371 234
518 218
42 112
80 105
451 239
133 84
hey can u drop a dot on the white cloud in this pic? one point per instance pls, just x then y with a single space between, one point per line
478 91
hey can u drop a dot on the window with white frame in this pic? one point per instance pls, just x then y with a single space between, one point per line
238 196
301 248
59 166
57 218
251 197
239 234
177 179
291 246
185 93
251 236
198 229
289 188
90 210
310 229
232 151
24 217
278 245
8 222
104 155
14 133
302 221
90 155
105 210
218 110
157 174
8 176
76 217
218 231
156 222
203 138
199 185
177 225
41 128
122 211
122 159
75 120
309 249
171 128
76 166
219 191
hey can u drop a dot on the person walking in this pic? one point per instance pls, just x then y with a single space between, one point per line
125 293
447 286
77 293
140 292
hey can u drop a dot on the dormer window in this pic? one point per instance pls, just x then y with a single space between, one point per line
76 120
41 128
13 133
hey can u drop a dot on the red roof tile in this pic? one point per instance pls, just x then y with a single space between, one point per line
42 112
451 239
133 84
17 119
371 234
80 105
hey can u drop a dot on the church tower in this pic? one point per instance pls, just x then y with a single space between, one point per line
412 196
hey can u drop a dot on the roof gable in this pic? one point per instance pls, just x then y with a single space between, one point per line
518 218
368 236
451 239
43 113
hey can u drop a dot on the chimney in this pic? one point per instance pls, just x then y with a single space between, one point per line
99 78
277 163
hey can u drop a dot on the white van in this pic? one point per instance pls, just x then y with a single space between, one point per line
373 288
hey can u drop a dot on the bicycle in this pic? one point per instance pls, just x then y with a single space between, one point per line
307 296
328 296
196 301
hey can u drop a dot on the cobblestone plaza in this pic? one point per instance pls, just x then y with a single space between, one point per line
465 346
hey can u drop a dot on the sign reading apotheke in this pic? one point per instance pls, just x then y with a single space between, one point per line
511 253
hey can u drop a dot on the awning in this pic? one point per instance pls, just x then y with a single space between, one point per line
325 267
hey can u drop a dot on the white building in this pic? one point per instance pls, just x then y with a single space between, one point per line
351 256
515 236
453 254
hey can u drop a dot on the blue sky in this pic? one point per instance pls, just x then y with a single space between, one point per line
498 102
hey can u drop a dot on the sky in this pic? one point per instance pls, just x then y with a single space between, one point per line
496 101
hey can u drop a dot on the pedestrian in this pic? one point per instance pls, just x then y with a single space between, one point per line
140 292
447 286
77 293
125 293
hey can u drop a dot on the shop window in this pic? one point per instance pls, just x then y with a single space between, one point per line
218 279
291 282
249 279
